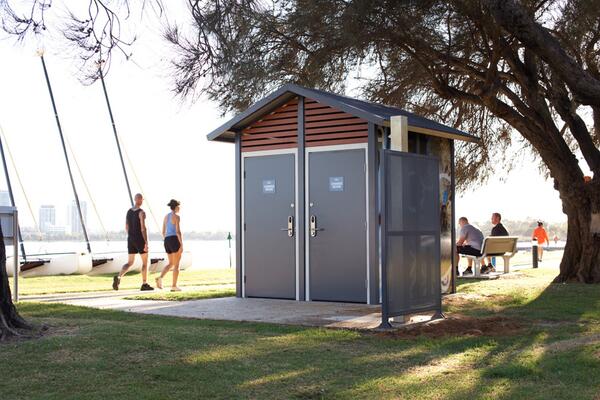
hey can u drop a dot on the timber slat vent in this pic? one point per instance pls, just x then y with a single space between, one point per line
325 126
277 130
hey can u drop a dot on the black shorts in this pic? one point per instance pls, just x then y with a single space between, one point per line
468 250
172 244
135 246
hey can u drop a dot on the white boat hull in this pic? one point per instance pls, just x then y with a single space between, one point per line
81 263
186 261
115 264
59 264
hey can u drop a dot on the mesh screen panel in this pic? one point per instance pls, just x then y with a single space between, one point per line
411 232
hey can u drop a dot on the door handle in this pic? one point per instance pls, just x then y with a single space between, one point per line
313 226
290 226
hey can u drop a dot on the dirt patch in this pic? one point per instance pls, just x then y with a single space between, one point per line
514 275
470 299
458 325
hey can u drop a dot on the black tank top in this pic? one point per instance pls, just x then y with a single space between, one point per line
134 224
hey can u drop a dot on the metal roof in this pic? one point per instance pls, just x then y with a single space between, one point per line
376 113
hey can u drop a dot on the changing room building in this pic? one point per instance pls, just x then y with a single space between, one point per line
307 193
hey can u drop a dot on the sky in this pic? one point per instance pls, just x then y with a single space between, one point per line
165 138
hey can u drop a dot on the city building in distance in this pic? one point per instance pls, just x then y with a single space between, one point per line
74 221
47 217
4 198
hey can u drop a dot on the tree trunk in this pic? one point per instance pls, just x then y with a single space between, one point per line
10 322
581 258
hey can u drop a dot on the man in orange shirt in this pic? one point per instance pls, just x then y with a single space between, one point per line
540 234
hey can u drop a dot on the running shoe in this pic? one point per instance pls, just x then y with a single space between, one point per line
145 287
116 282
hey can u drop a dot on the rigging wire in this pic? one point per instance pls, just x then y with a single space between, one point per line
135 176
12 162
123 149
87 189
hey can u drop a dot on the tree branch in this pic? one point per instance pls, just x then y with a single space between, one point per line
516 20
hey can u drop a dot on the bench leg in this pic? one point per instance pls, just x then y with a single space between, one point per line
506 264
477 267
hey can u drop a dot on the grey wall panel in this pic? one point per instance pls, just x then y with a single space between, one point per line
269 252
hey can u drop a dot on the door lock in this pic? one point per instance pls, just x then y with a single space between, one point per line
313 226
290 226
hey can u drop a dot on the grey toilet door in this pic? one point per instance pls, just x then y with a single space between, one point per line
336 212
269 210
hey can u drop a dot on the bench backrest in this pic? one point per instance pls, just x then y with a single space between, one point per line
499 244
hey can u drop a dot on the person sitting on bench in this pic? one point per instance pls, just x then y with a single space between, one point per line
497 230
469 243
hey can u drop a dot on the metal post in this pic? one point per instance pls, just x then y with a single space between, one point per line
62 139
112 121
385 320
229 240
10 194
16 258
534 252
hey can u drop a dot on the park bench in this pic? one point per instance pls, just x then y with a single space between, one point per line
495 246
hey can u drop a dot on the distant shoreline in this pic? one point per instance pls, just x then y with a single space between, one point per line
116 236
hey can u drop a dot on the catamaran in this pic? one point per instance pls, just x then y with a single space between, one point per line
85 261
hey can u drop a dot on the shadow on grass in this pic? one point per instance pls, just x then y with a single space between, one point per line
561 313
151 356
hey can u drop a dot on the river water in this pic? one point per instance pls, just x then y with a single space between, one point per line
205 253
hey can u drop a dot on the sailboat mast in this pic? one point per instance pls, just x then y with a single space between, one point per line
114 127
12 198
62 139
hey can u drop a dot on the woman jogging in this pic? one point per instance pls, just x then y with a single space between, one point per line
173 245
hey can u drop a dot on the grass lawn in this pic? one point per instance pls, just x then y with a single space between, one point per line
207 293
94 354
84 283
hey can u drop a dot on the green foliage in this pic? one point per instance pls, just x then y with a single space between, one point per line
449 60
84 283
206 293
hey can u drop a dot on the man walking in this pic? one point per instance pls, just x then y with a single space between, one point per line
497 230
137 242
541 235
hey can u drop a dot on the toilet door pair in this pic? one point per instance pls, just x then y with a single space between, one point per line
336 224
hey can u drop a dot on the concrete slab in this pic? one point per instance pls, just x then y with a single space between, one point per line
288 312
490 276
